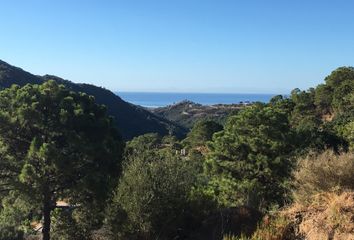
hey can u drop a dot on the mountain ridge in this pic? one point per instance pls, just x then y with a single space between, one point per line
131 120
186 113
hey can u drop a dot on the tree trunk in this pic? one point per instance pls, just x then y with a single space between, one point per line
47 208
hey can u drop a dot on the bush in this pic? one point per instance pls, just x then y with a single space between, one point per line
276 228
153 198
78 223
323 172
238 221
348 133
64 226
14 217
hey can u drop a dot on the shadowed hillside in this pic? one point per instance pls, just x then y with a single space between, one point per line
131 120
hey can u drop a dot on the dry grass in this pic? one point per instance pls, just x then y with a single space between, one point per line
232 237
279 228
324 196
323 173
324 202
329 216
272 228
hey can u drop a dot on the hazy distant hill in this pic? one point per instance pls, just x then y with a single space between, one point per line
186 113
131 120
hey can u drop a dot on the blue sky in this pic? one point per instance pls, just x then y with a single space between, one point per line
180 45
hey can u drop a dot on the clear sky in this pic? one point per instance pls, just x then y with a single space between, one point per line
246 46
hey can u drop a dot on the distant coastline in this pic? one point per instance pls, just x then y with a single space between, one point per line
162 99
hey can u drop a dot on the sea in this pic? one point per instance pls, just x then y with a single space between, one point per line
162 99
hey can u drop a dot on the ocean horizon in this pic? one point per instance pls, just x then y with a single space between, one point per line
162 99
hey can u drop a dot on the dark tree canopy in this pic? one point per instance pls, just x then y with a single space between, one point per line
250 159
55 145
155 196
201 133
340 84
131 120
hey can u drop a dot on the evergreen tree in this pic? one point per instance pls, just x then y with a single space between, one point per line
56 145
251 159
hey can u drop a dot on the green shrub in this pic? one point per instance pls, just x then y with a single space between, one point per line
274 228
14 216
153 198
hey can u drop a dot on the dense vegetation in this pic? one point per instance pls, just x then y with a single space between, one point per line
130 120
187 113
58 146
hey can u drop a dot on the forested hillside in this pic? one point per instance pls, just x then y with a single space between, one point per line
131 120
187 113
282 170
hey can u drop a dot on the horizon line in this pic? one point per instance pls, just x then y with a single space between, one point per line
194 92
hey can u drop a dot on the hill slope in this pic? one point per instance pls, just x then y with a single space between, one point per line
131 120
186 113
